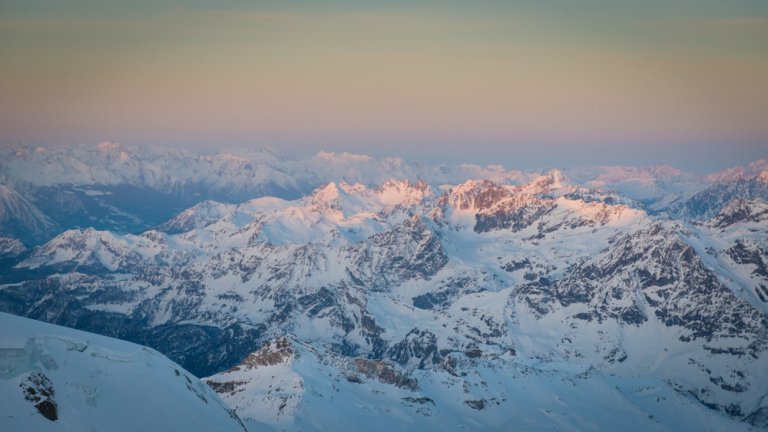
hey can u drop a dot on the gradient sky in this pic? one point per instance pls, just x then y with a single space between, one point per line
527 83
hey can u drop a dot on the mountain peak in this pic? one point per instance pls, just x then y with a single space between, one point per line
756 169
763 176
342 157
476 194
326 194
556 176
395 192
552 179
273 352
741 210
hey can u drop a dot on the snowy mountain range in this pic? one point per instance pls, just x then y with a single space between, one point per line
322 293
129 189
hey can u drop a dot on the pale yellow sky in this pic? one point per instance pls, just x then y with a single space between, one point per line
345 76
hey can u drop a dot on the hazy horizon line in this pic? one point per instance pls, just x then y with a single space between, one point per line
442 160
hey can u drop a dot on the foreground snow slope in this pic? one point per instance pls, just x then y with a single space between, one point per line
290 386
58 379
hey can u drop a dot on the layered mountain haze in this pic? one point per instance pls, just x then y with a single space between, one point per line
129 189
321 293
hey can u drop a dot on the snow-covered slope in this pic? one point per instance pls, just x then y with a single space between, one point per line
735 243
289 385
709 201
21 218
58 379
10 248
